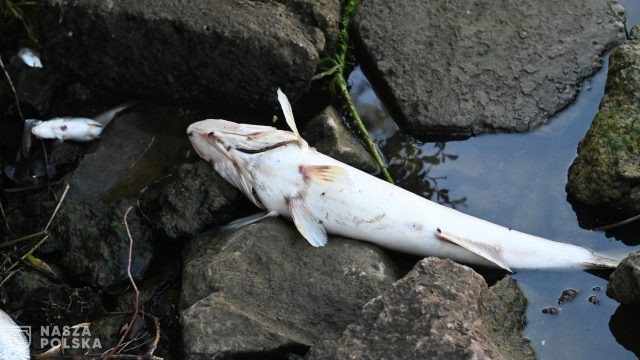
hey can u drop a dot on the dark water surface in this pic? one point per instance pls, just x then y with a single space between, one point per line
518 180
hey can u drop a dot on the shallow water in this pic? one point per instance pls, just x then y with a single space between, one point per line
518 180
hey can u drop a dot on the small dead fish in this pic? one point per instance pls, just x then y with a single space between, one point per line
13 344
69 128
30 57
279 172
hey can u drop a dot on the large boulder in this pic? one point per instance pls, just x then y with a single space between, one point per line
233 53
263 289
607 169
465 67
624 282
439 310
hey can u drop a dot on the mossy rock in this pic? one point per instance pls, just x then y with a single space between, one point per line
607 169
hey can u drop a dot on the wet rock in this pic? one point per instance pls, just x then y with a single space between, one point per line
624 282
551 310
462 68
503 314
435 312
34 86
263 289
185 202
328 135
567 296
61 305
94 244
24 282
232 53
607 168
121 145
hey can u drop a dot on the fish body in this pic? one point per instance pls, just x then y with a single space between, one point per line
68 128
280 173
13 344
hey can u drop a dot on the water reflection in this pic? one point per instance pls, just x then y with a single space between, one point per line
518 181
413 165
625 327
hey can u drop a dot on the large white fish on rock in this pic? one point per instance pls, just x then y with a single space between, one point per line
13 344
281 174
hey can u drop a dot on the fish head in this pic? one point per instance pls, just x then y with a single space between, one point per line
228 146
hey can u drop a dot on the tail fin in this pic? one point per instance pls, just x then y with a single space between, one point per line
603 261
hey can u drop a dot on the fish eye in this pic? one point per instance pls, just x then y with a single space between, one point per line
63 127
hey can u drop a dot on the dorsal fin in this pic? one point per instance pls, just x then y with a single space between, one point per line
288 116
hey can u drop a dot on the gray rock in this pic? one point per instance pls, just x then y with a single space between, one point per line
503 310
624 282
23 282
232 53
462 68
95 246
188 200
263 288
434 312
328 135
122 143
607 168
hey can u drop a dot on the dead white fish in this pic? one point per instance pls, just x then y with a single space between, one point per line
69 128
280 173
30 57
13 343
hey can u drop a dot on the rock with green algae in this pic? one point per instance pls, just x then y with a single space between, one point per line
607 169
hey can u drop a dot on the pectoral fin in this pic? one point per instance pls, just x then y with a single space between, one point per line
488 252
308 225
236 224
324 173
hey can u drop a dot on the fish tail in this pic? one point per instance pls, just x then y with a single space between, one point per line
603 261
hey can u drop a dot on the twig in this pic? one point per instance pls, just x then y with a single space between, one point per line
619 223
13 89
21 239
6 222
64 195
154 344
110 354
30 187
44 231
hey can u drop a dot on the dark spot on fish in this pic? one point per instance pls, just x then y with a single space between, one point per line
323 193
567 296
320 222
510 229
596 288
229 148
63 127
439 231
594 300
551 310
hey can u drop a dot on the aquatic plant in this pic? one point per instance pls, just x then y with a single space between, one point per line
15 18
334 66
